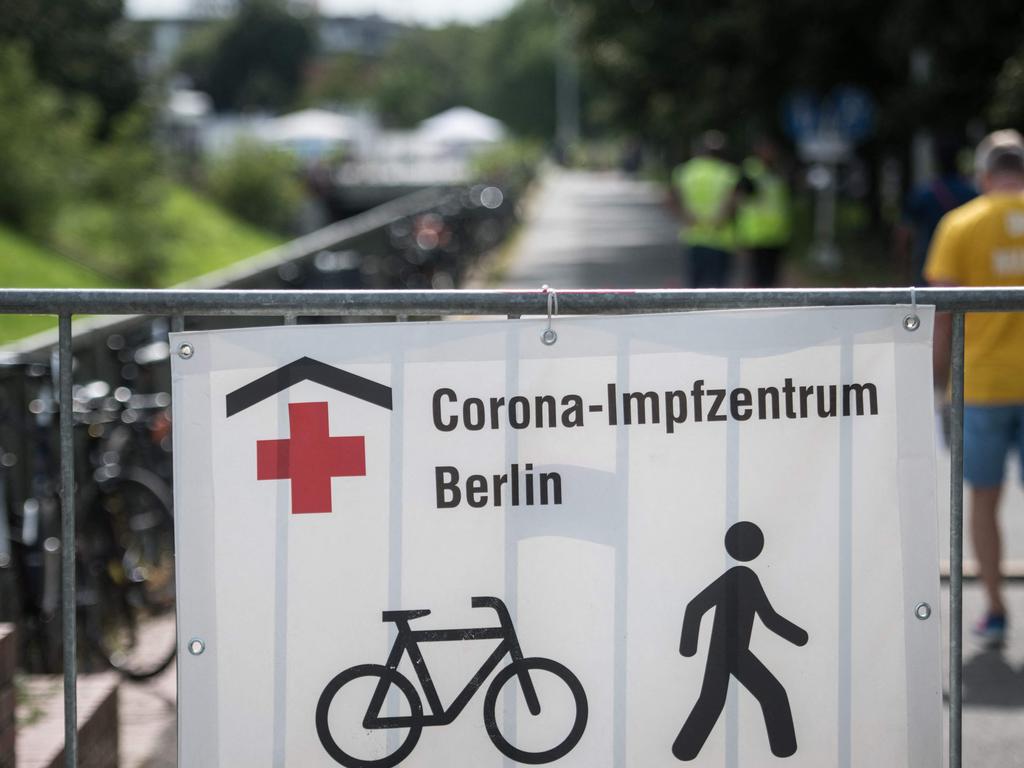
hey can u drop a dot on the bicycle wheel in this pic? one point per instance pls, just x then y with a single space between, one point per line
512 672
127 545
393 678
138 645
140 506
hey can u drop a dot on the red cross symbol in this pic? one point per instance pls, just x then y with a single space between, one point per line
310 458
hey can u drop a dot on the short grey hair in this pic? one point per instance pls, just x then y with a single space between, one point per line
1000 151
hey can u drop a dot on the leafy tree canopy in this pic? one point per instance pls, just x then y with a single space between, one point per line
504 68
253 61
1008 102
425 72
515 73
41 141
669 70
96 200
82 47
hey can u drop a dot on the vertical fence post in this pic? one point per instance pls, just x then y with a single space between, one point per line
956 545
68 592
177 323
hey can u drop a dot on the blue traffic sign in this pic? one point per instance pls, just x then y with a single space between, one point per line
851 111
847 113
800 115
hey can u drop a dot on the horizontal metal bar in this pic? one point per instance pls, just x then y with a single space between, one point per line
262 269
457 302
333 235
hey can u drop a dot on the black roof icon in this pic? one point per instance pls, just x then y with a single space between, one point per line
303 369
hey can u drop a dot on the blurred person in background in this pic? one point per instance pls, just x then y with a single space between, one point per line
632 158
982 244
704 190
764 212
927 204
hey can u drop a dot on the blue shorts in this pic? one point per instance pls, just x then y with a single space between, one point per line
990 433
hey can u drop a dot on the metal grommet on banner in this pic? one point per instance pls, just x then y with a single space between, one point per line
912 322
549 336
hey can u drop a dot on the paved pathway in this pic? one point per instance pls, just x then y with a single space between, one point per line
149 727
596 230
993 686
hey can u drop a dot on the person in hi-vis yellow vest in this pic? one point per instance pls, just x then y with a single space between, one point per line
764 213
704 188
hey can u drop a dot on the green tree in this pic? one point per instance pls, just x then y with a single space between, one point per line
258 184
426 71
98 201
669 70
118 222
514 80
504 68
42 140
1008 102
348 78
255 60
83 47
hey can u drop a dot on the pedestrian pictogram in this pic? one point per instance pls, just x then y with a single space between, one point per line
390 679
737 597
310 458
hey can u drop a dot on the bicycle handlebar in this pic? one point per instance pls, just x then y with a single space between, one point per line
497 604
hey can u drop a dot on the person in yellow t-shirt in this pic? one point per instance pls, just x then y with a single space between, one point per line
981 243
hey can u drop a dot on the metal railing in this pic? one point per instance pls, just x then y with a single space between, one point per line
366 233
289 305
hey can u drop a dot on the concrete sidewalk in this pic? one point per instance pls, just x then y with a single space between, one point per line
993 685
149 727
596 230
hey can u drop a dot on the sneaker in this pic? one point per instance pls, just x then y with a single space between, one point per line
991 630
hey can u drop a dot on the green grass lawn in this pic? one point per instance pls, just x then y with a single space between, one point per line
208 238
205 238
24 264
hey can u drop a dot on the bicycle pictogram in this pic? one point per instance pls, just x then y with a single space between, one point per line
390 679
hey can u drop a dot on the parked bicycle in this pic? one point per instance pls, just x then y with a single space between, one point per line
32 512
126 531
124 547
390 679
11 429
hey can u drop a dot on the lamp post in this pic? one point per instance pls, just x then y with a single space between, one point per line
567 81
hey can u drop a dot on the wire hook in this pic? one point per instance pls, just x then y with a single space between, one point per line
912 322
549 336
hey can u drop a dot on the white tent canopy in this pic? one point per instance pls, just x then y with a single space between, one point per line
185 105
461 126
310 131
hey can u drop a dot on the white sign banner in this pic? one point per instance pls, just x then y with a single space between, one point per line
706 538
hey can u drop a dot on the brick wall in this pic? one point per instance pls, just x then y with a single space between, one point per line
98 736
41 742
